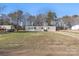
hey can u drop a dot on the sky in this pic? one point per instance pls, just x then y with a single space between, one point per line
61 9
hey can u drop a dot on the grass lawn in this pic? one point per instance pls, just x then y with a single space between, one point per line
38 43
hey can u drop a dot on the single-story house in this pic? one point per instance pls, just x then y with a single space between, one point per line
7 27
40 28
75 27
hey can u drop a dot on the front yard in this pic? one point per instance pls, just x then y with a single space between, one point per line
38 43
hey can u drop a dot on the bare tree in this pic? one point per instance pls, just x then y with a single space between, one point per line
1 10
17 17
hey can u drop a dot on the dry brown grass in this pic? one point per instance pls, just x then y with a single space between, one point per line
38 43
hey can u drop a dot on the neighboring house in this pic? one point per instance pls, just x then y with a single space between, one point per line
75 27
7 27
75 24
72 22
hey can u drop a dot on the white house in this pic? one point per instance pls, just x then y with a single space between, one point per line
40 28
6 27
75 27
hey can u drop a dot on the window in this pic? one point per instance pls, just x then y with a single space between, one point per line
34 27
41 27
48 28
